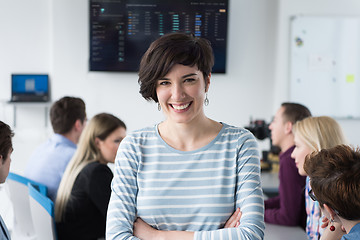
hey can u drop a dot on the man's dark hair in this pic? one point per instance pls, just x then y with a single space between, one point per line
5 140
65 112
294 112
168 50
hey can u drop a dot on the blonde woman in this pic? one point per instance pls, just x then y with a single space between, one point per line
84 191
311 135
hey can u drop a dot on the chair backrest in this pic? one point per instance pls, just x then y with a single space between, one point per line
19 195
42 213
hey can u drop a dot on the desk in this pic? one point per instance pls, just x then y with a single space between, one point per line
278 232
270 183
44 105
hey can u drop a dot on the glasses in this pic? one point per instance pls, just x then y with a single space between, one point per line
312 196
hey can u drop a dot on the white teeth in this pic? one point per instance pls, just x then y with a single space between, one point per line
181 107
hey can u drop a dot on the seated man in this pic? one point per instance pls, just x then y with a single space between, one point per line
5 159
288 208
48 162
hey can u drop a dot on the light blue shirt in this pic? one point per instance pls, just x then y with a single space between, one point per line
354 233
187 191
48 162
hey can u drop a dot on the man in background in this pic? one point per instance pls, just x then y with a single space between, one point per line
288 208
48 162
6 149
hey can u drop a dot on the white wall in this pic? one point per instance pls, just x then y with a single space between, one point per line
118 92
53 36
288 8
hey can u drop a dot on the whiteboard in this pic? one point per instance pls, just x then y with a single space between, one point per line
325 65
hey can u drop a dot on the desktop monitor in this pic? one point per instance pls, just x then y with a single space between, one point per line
122 30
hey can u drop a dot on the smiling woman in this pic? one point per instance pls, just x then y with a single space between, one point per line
188 177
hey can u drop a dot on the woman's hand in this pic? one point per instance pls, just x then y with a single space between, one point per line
325 222
234 220
333 235
143 230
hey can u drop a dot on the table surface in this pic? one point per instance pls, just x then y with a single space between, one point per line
270 183
269 180
278 232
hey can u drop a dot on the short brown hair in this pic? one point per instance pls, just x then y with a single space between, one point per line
294 112
65 112
335 179
5 140
168 50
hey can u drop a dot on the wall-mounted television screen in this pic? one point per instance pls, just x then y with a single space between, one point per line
122 30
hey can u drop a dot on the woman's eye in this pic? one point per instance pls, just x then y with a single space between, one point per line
189 79
164 83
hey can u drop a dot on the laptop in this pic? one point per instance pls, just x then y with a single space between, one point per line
30 88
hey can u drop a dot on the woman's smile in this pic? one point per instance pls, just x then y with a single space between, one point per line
181 107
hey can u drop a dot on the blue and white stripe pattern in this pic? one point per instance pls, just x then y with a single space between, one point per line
187 191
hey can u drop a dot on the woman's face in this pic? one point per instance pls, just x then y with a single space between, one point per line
5 166
108 147
181 94
301 150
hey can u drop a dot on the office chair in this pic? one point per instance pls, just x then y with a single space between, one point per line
19 196
42 214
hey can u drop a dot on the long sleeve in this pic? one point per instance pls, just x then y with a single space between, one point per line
273 202
249 197
291 210
187 191
122 206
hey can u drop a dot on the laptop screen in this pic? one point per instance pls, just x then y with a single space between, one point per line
29 87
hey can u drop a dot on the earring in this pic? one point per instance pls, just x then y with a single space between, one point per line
159 107
332 227
206 101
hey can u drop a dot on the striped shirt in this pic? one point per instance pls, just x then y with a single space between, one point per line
187 191
314 217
